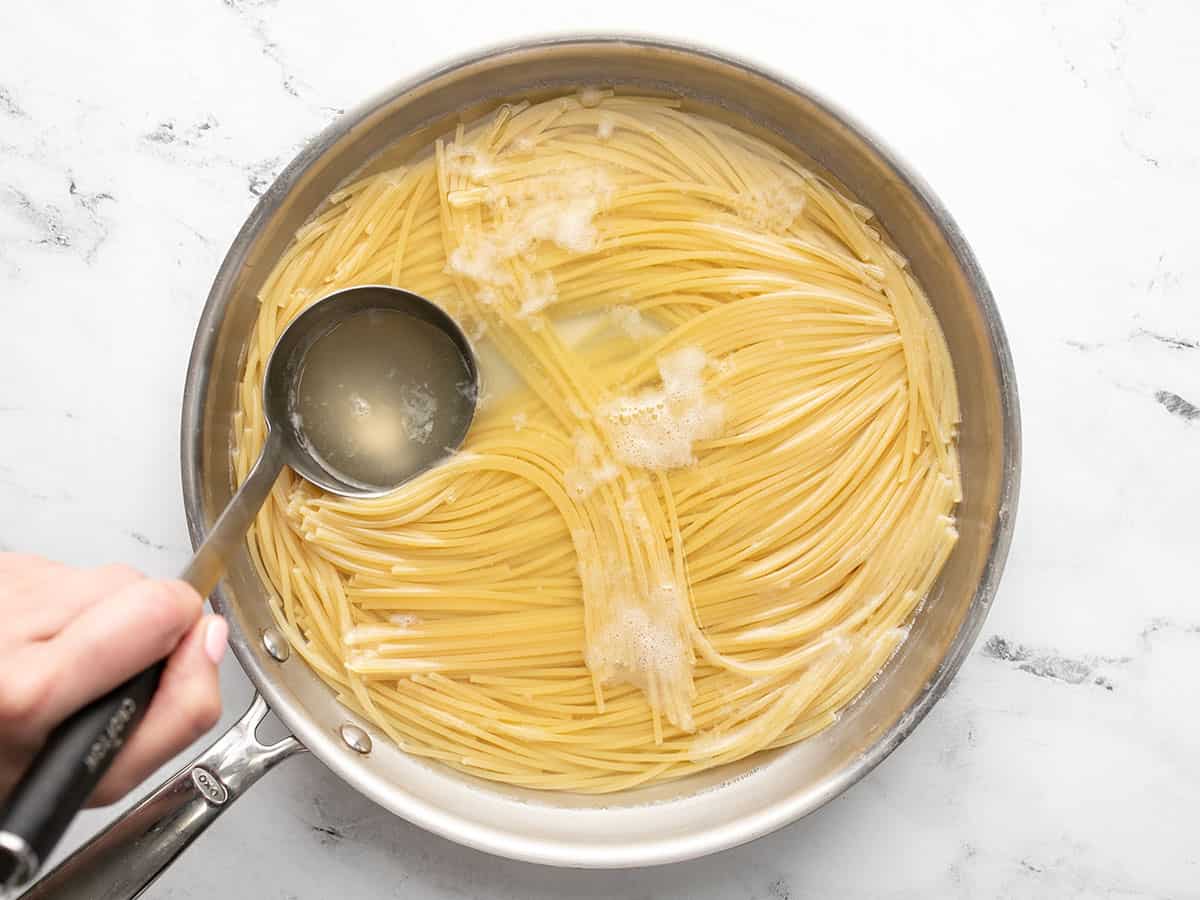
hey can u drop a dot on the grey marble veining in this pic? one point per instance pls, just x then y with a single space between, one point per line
1065 138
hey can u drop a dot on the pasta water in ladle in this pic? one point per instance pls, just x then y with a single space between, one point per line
380 396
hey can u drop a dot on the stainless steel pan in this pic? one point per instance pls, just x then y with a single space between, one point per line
676 821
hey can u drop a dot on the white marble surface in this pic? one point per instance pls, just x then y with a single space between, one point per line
1065 137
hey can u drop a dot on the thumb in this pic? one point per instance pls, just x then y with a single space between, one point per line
185 706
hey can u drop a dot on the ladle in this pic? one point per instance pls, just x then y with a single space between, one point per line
366 388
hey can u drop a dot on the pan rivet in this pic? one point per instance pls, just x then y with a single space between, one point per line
356 739
276 645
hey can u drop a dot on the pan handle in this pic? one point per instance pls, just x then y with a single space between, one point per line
125 858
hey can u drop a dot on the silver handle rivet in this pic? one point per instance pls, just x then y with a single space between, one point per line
356 739
276 645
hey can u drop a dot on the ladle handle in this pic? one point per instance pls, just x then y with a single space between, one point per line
226 536
79 751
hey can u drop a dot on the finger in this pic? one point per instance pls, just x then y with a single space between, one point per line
114 639
18 571
185 706
42 608
15 562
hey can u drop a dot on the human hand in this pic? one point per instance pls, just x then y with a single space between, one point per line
68 636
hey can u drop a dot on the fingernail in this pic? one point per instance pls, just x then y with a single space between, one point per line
215 636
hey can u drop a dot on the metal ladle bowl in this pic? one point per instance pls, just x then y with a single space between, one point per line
287 440
67 769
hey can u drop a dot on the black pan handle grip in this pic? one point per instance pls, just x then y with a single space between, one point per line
65 772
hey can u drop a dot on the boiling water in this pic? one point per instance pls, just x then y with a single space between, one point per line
381 396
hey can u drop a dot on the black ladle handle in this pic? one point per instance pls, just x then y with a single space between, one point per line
79 751
66 771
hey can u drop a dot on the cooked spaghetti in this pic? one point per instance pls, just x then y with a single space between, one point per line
698 521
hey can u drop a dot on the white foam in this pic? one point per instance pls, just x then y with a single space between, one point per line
658 428
630 320
480 259
470 161
631 510
539 292
590 97
645 641
774 208
560 208
592 468
487 295
418 409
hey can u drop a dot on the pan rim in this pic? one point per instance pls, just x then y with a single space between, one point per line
790 806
